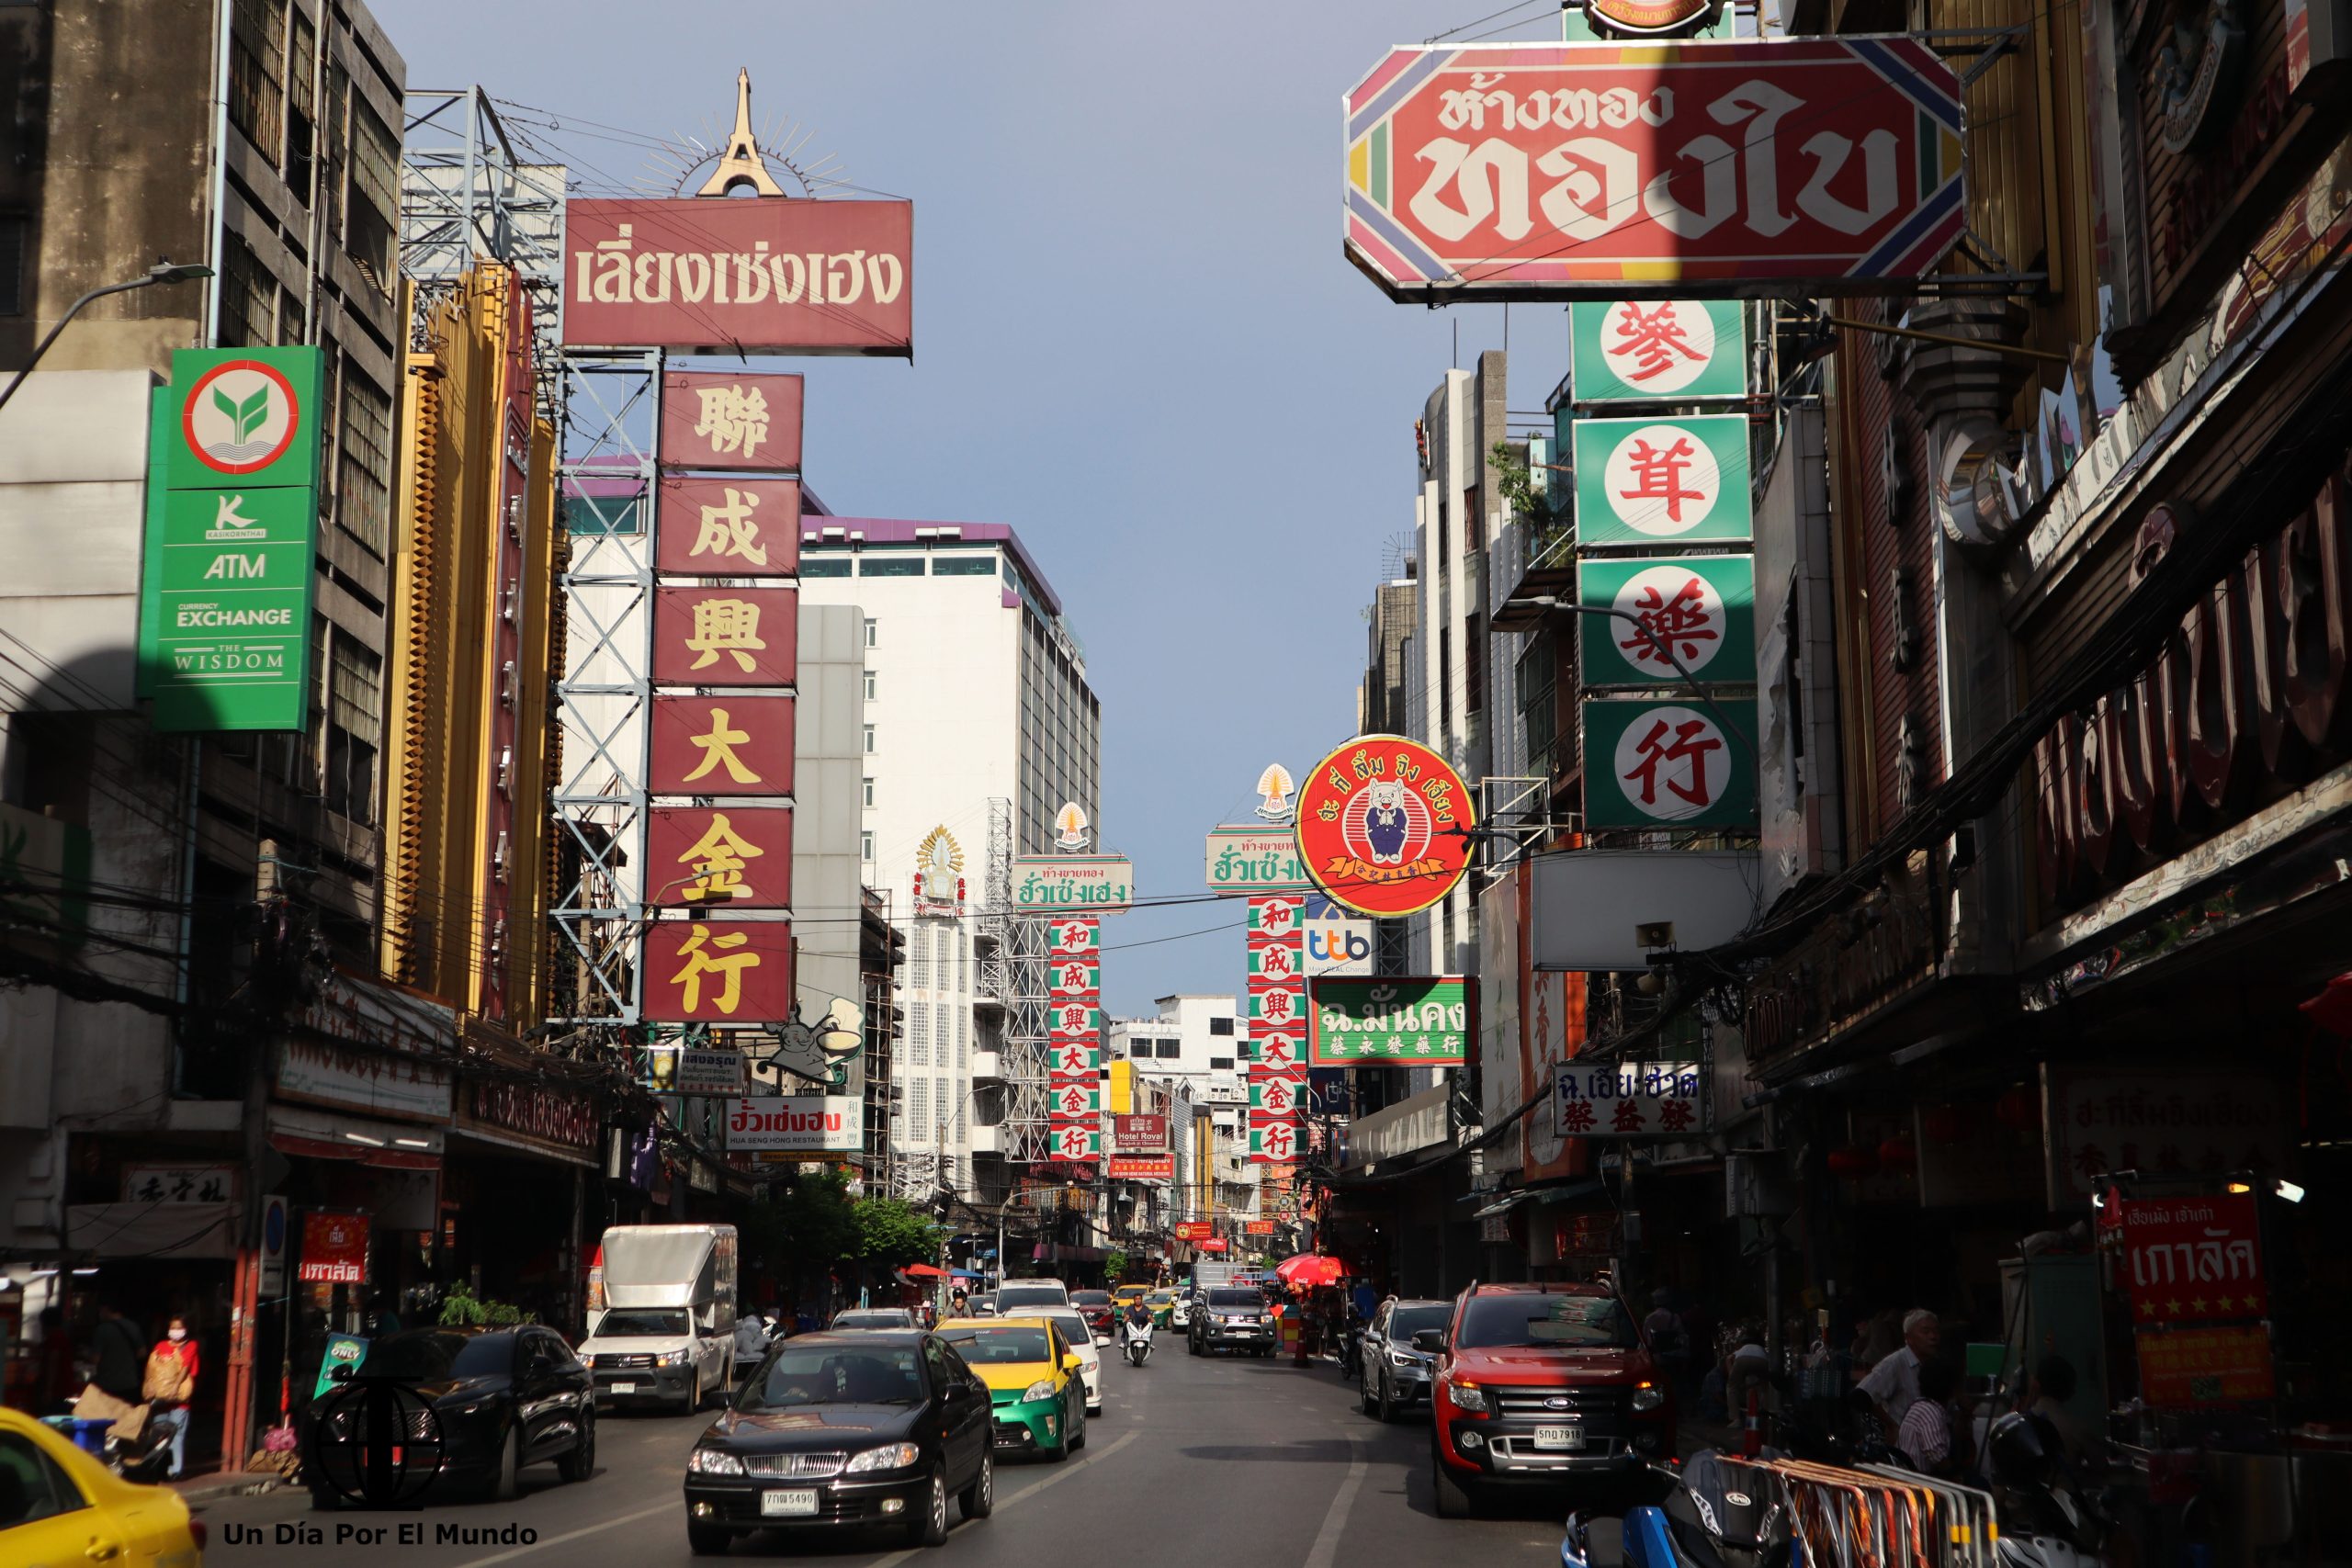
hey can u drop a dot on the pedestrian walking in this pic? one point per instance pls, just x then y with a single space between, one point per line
1925 1432
169 1384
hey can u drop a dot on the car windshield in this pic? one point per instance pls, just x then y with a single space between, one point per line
874 1320
797 1375
639 1324
1014 1295
1074 1329
998 1346
441 1358
1161 1298
1589 1321
1090 1298
1406 1322
1228 1300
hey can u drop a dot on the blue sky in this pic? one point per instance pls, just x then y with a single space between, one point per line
1136 338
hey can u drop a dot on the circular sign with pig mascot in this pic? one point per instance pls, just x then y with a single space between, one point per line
1384 825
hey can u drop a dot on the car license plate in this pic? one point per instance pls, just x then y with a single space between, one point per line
1569 1435
624 1388
787 1505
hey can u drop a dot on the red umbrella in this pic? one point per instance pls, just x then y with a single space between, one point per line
1310 1269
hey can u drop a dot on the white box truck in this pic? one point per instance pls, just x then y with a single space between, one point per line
666 1334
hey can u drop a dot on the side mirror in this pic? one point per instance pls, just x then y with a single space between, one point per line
1430 1340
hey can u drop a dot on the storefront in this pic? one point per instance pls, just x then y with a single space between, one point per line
525 1157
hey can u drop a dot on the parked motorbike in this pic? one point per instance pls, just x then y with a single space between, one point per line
1706 1521
146 1458
1137 1349
2047 1520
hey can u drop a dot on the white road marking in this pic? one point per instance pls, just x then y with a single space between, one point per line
1335 1519
1068 1468
599 1528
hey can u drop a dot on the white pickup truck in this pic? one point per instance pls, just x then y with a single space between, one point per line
665 1336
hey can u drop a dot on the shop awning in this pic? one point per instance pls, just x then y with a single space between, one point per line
154 1230
923 1271
388 1145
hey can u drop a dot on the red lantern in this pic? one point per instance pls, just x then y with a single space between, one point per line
1853 1162
1897 1155
2020 1109
1944 1124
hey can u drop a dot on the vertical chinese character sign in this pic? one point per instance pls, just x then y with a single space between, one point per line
1277 1025
725 633
1074 1005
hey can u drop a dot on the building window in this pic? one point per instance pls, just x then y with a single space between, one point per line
834 567
1220 1064
919 1110
869 685
355 728
869 630
918 1037
890 566
1220 1026
870 792
364 464
375 194
866 846
919 958
962 566
247 291
963 963
869 740
963 1032
1171 1049
256 74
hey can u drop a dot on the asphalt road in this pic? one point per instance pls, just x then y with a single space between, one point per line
1194 1461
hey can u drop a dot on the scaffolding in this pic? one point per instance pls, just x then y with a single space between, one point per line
1028 1054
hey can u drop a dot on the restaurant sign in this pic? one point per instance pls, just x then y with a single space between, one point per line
534 1111
1380 1020
1519 171
815 1122
2187 1260
1384 826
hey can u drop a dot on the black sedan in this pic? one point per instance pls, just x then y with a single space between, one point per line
502 1398
862 1428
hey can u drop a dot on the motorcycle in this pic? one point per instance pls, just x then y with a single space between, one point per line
1137 1349
2046 1520
1705 1518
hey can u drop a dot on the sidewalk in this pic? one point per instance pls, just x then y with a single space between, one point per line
196 1489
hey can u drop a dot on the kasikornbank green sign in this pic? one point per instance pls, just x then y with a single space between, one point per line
232 511
1380 1020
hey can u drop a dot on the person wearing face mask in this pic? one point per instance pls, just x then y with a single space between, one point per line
171 1383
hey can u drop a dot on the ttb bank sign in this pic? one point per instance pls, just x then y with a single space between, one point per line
1338 941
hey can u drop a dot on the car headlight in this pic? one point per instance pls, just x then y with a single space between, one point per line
1648 1397
1403 1358
713 1461
1042 1389
1467 1397
672 1357
890 1456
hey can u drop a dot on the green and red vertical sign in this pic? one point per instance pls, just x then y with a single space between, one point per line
232 512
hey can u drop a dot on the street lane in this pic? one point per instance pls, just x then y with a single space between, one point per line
1194 1461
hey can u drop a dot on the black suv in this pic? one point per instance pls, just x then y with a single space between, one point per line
1230 1317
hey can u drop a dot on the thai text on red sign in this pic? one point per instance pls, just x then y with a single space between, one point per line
748 277
2188 1260
1510 170
335 1249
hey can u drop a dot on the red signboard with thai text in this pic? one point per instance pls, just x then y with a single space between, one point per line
1520 171
763 276
710 636
731 858
727 527
718 972
724 419
1384 825
335 1249
1195 1230
721 746
2188 1260
1210 1245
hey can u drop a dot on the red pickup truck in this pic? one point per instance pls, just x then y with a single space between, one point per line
1543 1386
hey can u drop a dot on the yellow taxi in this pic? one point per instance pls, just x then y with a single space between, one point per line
59 1505
1036 1397
1125 1294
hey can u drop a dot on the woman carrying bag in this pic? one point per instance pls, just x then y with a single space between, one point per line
170 1385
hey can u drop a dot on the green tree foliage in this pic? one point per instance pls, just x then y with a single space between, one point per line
462 1309
1114 1265
890 1230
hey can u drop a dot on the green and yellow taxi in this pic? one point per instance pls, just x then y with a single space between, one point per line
1036 1397
1125 1294
1161 1304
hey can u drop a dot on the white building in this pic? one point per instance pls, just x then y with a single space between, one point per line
1194 1043
978 719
